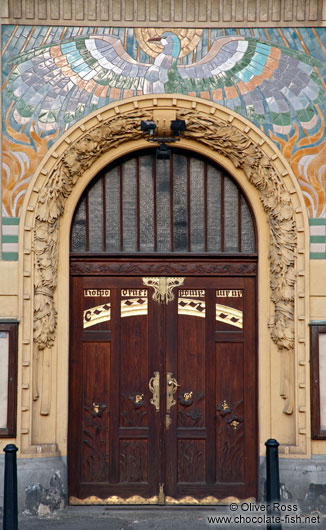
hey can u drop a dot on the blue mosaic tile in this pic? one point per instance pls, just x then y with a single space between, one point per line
291 76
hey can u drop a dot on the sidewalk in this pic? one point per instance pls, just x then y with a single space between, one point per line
158 518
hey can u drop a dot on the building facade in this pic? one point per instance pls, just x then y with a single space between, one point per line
162 316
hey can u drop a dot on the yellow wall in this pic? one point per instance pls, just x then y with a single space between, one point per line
45 434
318 312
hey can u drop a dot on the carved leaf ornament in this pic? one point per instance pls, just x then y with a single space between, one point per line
218 135
276 201
76 160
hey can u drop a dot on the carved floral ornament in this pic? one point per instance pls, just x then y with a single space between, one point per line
220 136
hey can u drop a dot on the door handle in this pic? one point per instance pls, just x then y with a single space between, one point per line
154 386
171 388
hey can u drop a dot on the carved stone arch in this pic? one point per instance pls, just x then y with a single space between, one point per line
211 129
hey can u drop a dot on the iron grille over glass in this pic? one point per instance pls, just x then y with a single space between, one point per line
143 205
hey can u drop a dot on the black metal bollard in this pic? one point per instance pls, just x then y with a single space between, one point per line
272 481
10 507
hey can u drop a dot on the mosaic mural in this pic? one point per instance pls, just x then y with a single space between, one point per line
54 76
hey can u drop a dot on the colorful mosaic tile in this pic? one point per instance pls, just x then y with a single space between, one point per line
54 76
317 238
10 238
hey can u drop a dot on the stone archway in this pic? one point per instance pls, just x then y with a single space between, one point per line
210 127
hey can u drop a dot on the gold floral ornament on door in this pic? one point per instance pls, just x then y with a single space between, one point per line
163 288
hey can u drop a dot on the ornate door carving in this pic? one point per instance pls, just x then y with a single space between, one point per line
211 439
162 395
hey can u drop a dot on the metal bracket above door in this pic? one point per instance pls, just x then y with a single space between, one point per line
163 287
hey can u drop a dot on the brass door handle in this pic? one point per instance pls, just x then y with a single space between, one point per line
154 386
172 386
171 389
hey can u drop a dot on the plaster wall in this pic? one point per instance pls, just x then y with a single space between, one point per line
8 289
41 435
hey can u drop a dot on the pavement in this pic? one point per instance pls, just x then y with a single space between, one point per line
164 518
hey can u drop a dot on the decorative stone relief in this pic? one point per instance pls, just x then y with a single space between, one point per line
76 160
233 13
228 141
220 136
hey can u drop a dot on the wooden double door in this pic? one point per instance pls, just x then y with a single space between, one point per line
163 402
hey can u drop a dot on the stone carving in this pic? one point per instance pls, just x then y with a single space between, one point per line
219 136
245 154
76 160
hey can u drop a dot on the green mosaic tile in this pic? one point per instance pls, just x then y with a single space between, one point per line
306 114
24 109
280 119
241 65
315 77
9 239
10 256
317 221
10 220
260 118
312 61
86 55
317 239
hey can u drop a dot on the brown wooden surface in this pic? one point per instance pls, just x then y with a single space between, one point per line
126 449
115 451
175 265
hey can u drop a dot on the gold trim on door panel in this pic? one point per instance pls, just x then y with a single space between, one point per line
96 315
229 315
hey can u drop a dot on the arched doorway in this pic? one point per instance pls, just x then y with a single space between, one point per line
163 393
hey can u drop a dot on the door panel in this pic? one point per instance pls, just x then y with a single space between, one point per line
229 412
116 451
95 425
201 445
211 353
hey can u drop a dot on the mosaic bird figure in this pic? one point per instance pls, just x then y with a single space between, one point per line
268 83
272 85
158 74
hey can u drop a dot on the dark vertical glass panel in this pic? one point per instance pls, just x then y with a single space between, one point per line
180 214
78 232
95 217
142 201
163 205
247 228
112 205
230 216
213 209
197 206
146 203
129 205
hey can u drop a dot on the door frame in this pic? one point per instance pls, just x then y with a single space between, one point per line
42 421
83 265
